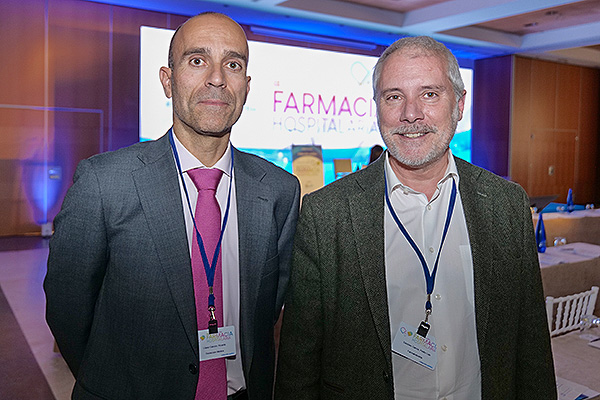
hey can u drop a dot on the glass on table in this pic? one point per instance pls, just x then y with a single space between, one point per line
560 241
533 210
588 321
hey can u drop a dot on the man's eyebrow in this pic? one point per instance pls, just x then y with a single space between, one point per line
196 50
439 88
389 90
235 54
205 51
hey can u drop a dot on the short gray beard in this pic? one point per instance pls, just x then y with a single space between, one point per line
435 153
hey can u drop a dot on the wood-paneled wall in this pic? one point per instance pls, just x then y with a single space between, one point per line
548 113
70 89
554 129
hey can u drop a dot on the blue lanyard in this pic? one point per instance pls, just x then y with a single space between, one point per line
209 267
429 278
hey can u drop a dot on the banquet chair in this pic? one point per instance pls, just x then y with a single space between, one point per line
564 313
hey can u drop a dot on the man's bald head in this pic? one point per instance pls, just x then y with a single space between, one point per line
198 19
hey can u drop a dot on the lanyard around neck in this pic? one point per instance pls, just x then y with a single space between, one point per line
429 277
209 267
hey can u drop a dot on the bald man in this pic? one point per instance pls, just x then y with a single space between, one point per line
125 281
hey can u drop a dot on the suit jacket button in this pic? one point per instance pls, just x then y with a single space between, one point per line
193 369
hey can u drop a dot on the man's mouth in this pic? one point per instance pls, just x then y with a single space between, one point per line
413 135
214 98
213 102
414 131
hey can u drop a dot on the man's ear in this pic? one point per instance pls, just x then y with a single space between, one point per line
164 75
247 88
461 104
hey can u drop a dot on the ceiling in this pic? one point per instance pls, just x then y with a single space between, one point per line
559 30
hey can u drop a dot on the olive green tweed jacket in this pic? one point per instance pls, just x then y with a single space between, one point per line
335 339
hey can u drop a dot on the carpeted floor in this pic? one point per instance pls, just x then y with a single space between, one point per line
20 376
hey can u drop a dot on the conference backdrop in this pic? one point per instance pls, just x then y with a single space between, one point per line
298 96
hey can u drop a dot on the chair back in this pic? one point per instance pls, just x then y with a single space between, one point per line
564 313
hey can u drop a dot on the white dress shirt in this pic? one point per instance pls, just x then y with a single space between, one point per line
457 374
229 248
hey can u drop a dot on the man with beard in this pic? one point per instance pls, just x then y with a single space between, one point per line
417 277
138 282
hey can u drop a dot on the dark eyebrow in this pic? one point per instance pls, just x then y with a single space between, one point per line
196 50
235 54
205 52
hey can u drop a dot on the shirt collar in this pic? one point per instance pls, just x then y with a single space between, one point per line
393 183
189 161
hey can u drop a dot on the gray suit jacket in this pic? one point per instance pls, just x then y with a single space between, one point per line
335 339
119 288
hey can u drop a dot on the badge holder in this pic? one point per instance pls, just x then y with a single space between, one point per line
213 325
423 329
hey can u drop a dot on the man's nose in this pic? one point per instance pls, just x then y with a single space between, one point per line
216 77
411 111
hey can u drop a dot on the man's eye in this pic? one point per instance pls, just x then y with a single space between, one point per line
196 61
234 65
393 97
430 95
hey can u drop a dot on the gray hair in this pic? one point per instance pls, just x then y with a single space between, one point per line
427 46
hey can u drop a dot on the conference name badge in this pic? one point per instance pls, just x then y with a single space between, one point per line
217 345
416 348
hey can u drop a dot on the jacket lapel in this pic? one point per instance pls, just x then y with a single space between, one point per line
479 214
367 216
157 186
255 203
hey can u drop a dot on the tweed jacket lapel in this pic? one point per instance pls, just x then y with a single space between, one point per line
157 186
255 203
367 218
479 213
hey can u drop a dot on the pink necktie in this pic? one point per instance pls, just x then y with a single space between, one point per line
212 379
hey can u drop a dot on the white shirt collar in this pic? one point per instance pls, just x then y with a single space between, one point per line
393 183
189 161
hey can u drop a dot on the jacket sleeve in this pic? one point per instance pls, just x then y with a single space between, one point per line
535 368
76 266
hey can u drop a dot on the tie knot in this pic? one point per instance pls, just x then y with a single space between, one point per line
205 178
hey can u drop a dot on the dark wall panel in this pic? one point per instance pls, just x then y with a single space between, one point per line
491 114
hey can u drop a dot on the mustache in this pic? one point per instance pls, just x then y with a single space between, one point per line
420 128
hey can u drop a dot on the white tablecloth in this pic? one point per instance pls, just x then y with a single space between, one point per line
569 253
570 269
577 361
578 226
